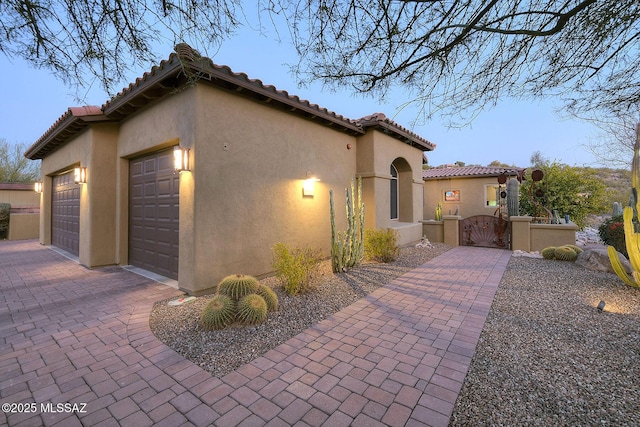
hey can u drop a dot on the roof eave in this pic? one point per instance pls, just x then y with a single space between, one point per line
172 75
268 94
59 134
400 134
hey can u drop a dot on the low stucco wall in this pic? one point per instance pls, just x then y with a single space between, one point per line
19 198
525 236
408 233
23 226
433 230
543 235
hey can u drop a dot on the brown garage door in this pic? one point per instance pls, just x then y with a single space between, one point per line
153 213
65 213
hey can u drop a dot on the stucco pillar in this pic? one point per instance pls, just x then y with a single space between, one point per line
451 229
520 233
45 210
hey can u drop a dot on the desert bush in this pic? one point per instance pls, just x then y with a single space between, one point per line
295 267
381 245
612 233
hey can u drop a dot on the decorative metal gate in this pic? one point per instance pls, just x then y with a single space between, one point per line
485 231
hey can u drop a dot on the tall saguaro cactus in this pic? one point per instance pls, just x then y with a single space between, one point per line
347 248
632 238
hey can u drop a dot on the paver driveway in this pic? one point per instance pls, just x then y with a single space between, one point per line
78 336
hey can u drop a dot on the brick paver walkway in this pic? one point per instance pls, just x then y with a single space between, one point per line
395 358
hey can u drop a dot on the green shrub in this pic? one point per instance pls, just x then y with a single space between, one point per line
252 309
218 313
269 297
5 210
295 267
381 245
612 233
237 286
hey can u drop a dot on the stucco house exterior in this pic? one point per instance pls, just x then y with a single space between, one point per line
469 190
25 209
250 149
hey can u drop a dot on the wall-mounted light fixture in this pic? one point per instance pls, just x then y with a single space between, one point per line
80 175
309 185
181 159
37 187
601 306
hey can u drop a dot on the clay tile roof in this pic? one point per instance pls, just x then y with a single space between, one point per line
381 121
186 66
186 63
467 172
74 120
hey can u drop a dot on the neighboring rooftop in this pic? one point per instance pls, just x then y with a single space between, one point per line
185 66
16 186
468 172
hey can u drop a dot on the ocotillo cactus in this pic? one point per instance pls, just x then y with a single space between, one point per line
347 248
632 238
513 198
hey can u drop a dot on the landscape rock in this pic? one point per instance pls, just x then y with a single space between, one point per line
588 237
597 259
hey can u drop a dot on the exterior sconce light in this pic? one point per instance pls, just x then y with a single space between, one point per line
37 187
181 159
309 185
80 175
600 306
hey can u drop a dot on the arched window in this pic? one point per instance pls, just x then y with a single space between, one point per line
394 192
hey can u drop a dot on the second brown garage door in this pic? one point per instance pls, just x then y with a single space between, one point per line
153 213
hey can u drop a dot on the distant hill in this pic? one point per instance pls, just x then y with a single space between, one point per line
618 182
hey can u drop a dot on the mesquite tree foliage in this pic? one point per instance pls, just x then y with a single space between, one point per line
454 56
106 39
463 55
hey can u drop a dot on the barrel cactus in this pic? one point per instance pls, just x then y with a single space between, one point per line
576 248
237 286
269 297
218 313
252 309
549 252
565 253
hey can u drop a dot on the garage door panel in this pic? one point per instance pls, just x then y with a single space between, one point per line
165 188
135 169
137 190
65 213
149 187
154 214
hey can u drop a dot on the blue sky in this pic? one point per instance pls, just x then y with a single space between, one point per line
32 100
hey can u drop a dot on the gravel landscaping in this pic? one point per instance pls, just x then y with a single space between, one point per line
221 352
546 356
